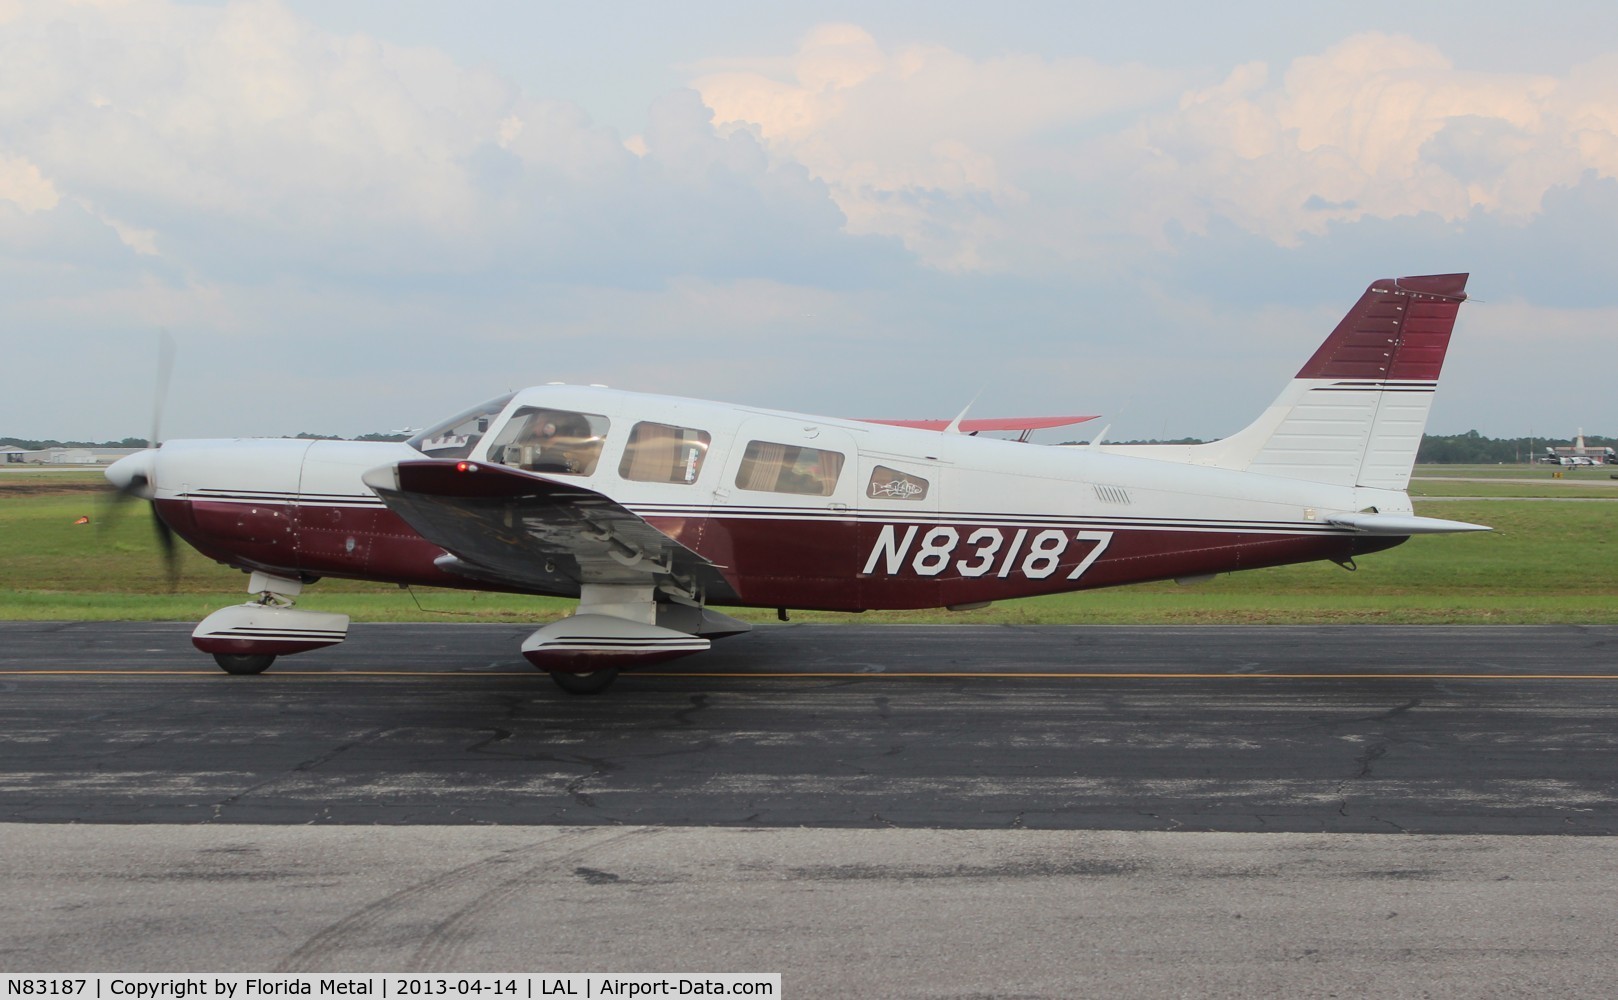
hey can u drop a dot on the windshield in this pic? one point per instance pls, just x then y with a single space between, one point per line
457 436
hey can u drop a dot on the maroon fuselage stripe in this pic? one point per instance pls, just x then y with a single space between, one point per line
803 563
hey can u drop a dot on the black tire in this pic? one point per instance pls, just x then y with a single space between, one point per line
244 663
594 682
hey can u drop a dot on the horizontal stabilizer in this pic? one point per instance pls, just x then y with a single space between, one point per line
1402 524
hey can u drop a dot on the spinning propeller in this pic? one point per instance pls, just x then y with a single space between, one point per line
134 476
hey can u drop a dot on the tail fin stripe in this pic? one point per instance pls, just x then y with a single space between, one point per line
1398 329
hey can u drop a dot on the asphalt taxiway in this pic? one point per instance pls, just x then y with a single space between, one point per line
1354 729
894 811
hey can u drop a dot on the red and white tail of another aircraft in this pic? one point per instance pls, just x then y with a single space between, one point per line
652 509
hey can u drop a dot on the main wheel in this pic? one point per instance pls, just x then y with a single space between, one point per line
594 682
244 663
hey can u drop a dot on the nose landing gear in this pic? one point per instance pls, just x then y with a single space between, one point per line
246 638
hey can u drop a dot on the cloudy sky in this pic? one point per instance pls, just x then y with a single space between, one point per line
367 215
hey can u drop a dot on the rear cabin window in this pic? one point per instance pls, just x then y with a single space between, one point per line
556 442
660 453
784 468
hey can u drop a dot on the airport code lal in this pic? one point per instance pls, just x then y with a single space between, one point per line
242 986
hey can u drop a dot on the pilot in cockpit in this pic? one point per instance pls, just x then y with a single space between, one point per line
545 444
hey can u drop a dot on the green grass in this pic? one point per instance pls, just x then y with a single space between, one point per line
1540 491
1517 470
1538 470
1545 562
1514 481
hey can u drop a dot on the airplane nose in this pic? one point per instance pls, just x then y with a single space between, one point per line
133 475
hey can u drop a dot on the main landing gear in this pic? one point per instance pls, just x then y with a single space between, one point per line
621 626
590 682
617 627
244 663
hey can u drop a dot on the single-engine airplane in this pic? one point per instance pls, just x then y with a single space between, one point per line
652 509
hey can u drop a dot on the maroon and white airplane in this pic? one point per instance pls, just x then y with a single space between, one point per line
652 509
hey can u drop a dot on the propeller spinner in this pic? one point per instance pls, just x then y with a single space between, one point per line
134 477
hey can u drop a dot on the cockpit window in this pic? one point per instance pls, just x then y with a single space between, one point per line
541 439
785 468
457 436
661 453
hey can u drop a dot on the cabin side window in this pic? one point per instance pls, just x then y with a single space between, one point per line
555 442
661 453
783 468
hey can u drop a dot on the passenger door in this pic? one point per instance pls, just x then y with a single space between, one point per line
790 491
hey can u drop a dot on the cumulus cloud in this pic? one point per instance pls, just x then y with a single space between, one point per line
1020 163
242 139
428 232
1378 126
242 176
24 186
921 143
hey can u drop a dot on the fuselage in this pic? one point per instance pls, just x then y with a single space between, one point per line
797 510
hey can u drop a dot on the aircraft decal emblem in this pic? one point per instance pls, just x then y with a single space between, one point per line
891 484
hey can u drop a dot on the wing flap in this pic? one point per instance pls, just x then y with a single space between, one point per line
534 532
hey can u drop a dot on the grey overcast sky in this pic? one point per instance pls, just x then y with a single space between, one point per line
364 215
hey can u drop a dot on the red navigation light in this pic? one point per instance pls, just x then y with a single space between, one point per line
465 467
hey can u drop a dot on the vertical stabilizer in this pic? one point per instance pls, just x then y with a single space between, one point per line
1355 412
1360 404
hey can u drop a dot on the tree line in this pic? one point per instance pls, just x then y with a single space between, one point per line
1470 448
1473 448
32 444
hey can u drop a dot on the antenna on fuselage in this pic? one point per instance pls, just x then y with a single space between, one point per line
955 425
1095 442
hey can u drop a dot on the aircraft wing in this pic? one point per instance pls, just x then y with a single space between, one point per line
531 532
972 425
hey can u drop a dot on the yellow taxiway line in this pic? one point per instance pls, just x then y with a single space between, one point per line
840 675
